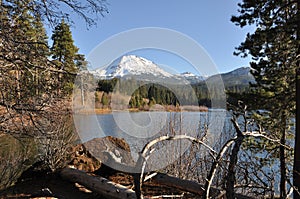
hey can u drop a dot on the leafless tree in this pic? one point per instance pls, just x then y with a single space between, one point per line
30 107
54 148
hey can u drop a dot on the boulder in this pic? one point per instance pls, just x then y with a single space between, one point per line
82 159
101 152
110 147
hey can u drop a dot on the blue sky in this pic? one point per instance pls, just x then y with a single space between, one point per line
206 22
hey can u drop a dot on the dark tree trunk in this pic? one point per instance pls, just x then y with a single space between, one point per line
296 170
230 179
282 161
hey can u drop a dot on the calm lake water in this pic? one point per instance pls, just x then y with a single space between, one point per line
138 128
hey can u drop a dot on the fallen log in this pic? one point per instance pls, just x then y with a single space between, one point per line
184 185
113 190
190 186
98 184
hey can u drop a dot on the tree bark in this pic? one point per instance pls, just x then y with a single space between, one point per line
283 193
189 186
98 184
296 169
184 185
230 181
214 167
113 190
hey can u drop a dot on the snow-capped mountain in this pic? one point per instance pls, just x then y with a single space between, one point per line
191 77
143 69
131 65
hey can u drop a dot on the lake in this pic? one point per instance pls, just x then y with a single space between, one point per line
141 127
138 128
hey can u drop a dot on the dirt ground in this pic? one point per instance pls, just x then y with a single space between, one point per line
36 183
51 185
46 185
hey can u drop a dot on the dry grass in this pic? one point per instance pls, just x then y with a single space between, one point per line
15 157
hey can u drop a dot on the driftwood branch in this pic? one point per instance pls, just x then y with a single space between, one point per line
145 153
188 185
184 185
98 184
113 190
168 196
176 137
214 167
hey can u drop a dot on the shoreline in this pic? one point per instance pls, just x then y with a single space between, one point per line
99 111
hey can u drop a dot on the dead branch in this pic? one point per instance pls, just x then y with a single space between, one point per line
140 165
98 184
187 185
215 166
176 137
230 178
184 185
168 196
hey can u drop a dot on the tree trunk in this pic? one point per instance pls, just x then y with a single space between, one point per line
189 186
296 169
282 161
214 167
82 91
98 184
184 185
230 180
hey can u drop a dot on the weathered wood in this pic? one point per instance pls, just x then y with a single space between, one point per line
145 155
98 184
184 185
190 186
230 178
214 167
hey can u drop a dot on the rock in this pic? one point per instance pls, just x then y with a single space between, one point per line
82 159
110 147
91 155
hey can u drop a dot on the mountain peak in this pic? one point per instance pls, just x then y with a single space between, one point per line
133 59
144 69
187 74
132 65
240 71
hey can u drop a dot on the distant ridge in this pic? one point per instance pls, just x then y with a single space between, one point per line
138 66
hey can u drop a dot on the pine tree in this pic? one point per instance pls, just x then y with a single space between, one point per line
273 48
25 48
64 52
63 48
39 56
105 100
152 101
